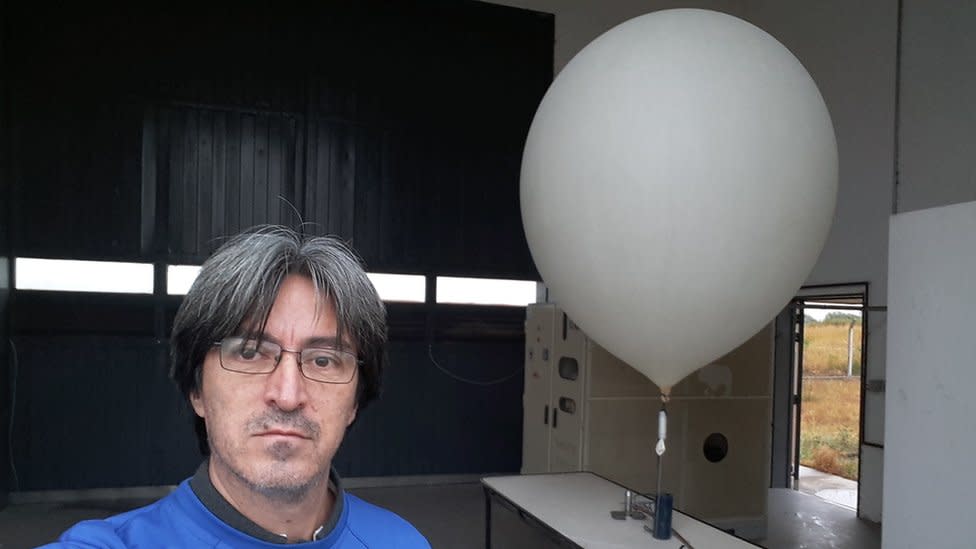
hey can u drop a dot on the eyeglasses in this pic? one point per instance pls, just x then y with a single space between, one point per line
254 356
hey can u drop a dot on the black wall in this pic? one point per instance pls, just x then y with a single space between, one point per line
150 133
5 272
398 125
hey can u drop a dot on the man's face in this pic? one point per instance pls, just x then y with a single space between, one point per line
277 433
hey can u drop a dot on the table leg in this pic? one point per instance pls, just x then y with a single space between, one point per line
487 517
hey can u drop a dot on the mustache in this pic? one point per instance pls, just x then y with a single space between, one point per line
275 418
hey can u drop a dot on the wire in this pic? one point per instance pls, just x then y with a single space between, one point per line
13 407
430 353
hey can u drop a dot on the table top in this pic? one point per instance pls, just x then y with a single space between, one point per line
578 505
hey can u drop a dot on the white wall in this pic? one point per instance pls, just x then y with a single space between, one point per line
937 122
850 50
928 478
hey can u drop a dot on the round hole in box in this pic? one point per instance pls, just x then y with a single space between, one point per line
716 447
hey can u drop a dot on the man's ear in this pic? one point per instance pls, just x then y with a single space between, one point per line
197 402
352 416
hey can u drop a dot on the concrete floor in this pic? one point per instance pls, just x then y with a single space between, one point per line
804 521
832 488
452 517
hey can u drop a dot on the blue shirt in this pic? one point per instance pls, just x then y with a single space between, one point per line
182 520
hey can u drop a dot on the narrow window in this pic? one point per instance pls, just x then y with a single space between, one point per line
399 287
179 278
72 275
485 291
390 287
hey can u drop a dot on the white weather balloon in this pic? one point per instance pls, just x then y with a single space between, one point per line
677 186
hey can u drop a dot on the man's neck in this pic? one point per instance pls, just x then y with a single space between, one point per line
297 520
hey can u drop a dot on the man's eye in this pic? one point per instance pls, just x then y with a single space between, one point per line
323 360
248 353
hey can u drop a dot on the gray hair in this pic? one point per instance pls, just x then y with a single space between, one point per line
237 286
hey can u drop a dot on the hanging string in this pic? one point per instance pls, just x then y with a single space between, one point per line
430 353
662 425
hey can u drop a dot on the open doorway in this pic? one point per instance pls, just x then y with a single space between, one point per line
827 387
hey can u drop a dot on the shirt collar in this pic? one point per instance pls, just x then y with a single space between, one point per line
203 487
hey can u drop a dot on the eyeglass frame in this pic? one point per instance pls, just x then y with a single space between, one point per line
281 353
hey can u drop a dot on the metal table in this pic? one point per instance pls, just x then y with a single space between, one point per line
574 508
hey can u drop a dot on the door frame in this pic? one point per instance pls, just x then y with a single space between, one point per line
788 383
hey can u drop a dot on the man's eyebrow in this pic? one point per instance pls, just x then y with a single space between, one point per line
324 341
318 341
263 337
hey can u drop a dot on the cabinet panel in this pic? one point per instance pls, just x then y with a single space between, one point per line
621 436
615 378
743 371
535 396
567 400
734 485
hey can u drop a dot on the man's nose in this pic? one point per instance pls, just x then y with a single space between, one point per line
286 387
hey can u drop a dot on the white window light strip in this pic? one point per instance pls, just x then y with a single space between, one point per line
72 275
485 291
179 278
391 287
399 287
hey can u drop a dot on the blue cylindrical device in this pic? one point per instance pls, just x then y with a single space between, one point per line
662 516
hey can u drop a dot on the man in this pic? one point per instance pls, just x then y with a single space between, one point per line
278 344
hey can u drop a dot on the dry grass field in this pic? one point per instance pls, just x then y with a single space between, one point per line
830 406
829 425
825 349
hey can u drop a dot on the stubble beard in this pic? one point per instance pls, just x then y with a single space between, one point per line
273 479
